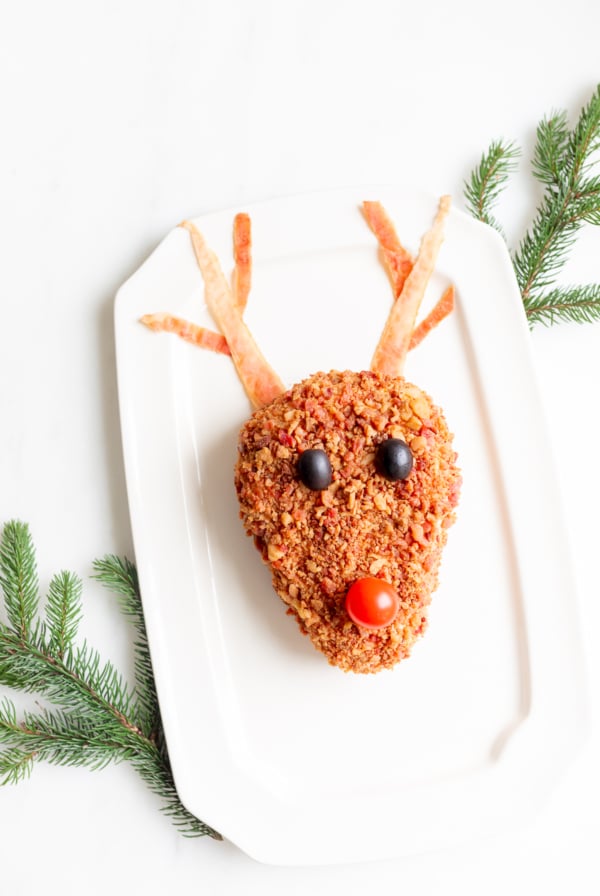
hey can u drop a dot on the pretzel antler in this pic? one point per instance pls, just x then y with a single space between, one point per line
409 280
226 305
397 260
258 378
241 279
163 322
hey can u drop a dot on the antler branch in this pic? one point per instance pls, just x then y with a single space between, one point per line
258 378
394 344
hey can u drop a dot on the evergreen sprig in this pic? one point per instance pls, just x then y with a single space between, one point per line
489 179
63 611
562 162
95 718
18 579
120 576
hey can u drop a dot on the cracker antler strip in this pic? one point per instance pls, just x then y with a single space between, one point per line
260 381
397 260
441 310
163 322
393 346
241 280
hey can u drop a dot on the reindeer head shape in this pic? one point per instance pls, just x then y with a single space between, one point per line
347 481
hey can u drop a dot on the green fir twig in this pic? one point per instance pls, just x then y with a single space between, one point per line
120 577
489 179
562 162
579 304
18 578
63 612
95 718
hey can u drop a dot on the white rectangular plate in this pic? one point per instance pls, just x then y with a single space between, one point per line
290 758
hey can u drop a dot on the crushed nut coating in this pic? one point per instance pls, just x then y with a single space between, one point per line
317 543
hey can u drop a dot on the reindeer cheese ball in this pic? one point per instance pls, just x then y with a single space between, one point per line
347 481
363 525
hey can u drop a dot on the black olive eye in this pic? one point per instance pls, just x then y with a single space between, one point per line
314 469
394 459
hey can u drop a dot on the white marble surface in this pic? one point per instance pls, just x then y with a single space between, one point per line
119 119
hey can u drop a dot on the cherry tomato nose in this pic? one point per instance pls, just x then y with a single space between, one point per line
372 603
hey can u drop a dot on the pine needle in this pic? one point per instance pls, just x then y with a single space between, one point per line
95 718
562 161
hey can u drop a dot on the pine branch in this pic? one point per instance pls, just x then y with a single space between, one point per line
153 766
63 611
18 577
550 149
578 304
62 738
584 140
120 577
489 179
561 159
545 247
15 765
78 681
69 740
561 162
97 719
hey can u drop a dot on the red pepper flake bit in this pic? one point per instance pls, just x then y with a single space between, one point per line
328 585
286 439
455 492
428 435
419 629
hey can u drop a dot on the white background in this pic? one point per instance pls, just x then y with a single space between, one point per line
118 120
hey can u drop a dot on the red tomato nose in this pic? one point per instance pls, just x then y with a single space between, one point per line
372 603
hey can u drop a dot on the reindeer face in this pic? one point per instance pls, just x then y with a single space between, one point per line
326 537
318 543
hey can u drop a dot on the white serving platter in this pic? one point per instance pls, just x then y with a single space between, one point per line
291 759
